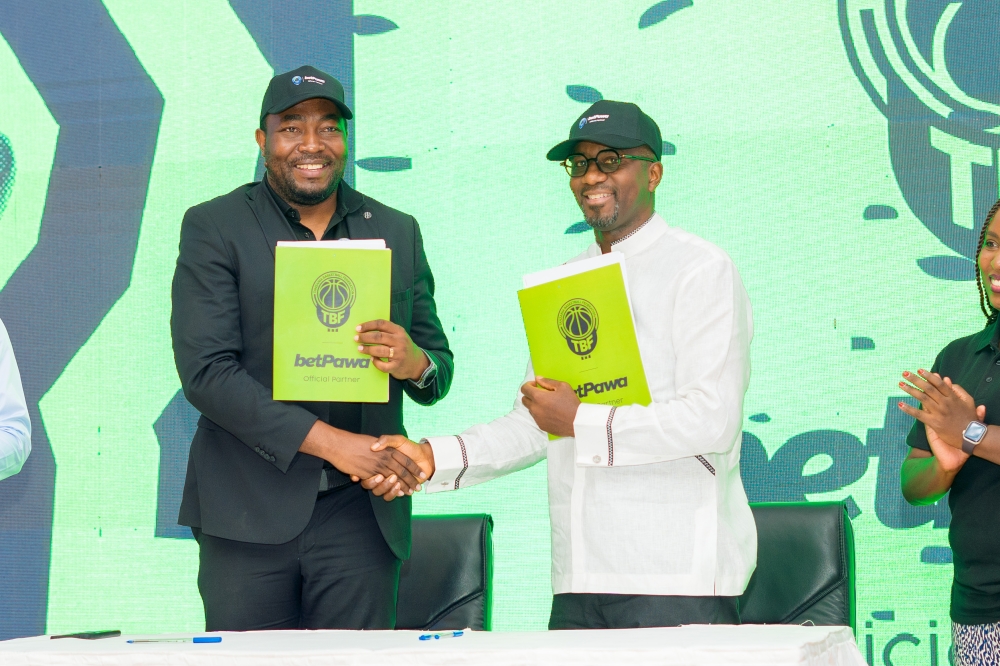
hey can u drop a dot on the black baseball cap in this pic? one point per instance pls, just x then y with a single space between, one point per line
613 124
288 89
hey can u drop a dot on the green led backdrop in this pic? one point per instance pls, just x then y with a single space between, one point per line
839 151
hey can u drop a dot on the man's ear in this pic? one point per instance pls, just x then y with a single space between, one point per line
655 175
261 138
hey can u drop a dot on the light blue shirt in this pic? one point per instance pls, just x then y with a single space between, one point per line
15 425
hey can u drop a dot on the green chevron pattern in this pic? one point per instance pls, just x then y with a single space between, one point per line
106 564
779 157
31 132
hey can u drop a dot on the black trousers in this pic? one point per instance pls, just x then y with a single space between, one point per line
337 574
631 611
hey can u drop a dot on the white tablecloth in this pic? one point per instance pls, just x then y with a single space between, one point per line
703 645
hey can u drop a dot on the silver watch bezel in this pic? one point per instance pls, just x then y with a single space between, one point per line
968 443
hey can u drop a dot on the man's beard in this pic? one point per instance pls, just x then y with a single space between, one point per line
602 223
282 179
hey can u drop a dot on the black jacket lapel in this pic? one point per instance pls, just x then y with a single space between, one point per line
361 223
272 223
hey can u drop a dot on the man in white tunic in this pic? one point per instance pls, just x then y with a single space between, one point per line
15 425
650 522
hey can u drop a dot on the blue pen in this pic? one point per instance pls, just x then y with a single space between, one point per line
196 639
435 637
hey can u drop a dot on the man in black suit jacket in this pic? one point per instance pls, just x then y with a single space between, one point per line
286 540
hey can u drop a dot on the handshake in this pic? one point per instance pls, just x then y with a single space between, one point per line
412 464
391 466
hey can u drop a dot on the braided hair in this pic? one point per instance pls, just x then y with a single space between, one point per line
991 313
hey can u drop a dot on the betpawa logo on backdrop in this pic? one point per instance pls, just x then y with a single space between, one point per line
333 295
931 68
577 321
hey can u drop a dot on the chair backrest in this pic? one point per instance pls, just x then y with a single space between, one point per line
805 565
448 581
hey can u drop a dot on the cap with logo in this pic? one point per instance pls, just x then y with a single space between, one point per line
613 124
288 89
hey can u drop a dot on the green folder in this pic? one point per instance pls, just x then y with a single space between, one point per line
578 320
322 291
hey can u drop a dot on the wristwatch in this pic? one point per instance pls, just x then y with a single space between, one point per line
972 435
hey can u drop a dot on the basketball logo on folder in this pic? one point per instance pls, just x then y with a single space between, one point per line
577 321
333 295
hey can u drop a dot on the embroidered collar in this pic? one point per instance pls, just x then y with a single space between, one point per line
636 240
633 232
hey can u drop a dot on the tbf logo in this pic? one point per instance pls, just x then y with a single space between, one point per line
577 321
931 68
333 295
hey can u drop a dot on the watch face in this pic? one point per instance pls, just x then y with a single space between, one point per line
974 432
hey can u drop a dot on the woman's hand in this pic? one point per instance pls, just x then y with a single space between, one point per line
950 460
926 476
947 410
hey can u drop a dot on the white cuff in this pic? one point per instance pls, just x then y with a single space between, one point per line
450 462
595 445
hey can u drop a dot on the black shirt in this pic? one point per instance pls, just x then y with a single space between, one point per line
974 363
343 415
334 229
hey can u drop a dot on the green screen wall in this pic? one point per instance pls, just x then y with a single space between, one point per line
841 153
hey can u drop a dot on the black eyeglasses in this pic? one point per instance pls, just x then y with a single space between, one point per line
608 161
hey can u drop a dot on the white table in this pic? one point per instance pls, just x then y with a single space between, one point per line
773 645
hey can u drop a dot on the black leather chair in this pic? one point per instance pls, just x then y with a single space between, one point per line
805 565
448 581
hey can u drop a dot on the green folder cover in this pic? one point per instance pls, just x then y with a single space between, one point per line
322 291
578 320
